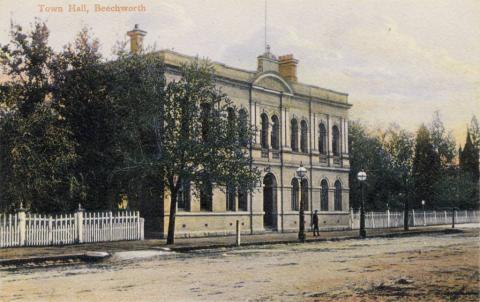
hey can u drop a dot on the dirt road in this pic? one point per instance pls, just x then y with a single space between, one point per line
422 268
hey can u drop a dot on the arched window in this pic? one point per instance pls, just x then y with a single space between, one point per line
242 199
335 141
303 137
338 196
322 139
275 133
206 197
324 195
183 196
264 135
230 198
243 127
305 194
294 135
295 191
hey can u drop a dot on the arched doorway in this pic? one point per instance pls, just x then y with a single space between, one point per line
269 201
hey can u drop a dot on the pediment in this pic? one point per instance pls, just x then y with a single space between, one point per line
273 82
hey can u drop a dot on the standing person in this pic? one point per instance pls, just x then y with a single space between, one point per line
315 224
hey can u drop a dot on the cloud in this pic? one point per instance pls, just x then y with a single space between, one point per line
398 60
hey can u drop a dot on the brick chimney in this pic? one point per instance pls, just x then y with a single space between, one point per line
136 39
287 67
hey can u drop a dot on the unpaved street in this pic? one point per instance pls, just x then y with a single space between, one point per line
421 268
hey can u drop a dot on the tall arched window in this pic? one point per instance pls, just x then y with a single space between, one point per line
230 198
275 133
324 195
335 141
264 134
322 139
183 196
305 194
294 135
295 191
338 196
243 127
303 137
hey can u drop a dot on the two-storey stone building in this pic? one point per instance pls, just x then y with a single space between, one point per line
296 124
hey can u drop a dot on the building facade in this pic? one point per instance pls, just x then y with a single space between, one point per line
296 124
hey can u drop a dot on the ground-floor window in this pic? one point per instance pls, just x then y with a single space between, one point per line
206 197
305 194
295 191
230 198
324 196
183 196
242 200
338 196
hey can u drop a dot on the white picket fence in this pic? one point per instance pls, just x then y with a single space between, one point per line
25 229
389 219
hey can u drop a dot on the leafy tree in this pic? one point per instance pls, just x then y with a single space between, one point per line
456 189
37 152
81 96
469 169
399 144
181 130
469 158
426 166
474 130
367 153
442 141
136 92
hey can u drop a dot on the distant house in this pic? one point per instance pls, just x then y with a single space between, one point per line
297 123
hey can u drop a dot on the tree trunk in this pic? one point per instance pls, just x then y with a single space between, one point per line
173 212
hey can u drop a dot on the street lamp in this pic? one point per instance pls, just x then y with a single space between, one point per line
301 172
362 177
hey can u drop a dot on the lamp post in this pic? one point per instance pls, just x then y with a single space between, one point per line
362 177
301 172
424 215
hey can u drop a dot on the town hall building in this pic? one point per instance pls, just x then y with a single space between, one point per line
296 124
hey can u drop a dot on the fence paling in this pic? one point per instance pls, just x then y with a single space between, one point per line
37 229
416 218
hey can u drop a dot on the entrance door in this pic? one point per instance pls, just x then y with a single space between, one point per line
269 201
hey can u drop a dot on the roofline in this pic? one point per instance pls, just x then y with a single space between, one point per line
253 73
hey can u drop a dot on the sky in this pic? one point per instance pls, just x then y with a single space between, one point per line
399 61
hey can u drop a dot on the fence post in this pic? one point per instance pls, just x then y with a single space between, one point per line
138 226
111 225
446 219
435 217
79 224
50 229
22 225
238 233
388 218
453 218
351 219
413 215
